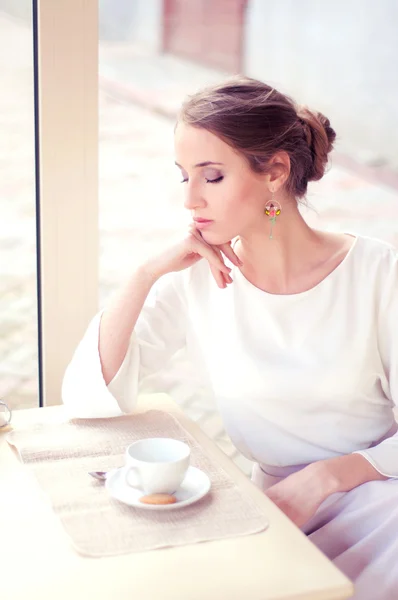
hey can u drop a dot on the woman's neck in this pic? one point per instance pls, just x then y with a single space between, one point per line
294 258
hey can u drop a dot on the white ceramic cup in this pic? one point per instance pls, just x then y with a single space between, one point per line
5 414
157 465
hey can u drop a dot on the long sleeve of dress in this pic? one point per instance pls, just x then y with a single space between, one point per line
384 456
159 333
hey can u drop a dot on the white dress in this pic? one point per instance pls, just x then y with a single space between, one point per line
297 378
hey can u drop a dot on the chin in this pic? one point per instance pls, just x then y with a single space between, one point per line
217 238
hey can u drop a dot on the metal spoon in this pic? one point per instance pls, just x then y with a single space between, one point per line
101 475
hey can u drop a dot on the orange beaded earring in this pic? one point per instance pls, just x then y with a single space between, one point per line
272 210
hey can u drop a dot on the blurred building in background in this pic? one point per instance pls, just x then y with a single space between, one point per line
340 57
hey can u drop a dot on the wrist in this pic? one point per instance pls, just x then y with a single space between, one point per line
345 473
149 273
327 478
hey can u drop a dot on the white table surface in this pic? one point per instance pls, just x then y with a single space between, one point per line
38 562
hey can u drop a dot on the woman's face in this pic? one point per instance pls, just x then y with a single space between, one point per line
219 185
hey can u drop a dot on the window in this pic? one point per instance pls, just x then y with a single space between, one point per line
18 298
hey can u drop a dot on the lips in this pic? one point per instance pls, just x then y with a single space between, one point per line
202 223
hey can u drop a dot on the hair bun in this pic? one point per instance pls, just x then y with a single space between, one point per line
320 137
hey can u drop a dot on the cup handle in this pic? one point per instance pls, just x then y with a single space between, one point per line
8 418
138 481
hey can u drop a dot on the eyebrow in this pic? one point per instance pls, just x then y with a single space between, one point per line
202 164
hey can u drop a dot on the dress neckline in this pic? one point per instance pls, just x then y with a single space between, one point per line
329 277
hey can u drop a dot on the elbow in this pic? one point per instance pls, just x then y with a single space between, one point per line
85 398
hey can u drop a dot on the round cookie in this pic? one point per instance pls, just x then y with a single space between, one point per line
158 499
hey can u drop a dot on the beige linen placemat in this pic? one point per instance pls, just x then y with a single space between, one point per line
61 455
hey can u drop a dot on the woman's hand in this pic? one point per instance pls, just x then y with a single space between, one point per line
190 250
300 495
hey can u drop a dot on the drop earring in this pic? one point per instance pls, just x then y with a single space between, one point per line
272 210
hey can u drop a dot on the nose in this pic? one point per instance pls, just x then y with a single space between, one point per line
192 198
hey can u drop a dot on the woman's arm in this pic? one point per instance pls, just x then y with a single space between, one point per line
300 495
383 456
345 473
119 319
136 336
134 339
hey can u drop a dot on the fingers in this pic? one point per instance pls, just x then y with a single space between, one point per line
230 254
218 276
222 279
210 254
225 248
227 277
219 269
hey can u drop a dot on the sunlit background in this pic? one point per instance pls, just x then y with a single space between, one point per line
338 57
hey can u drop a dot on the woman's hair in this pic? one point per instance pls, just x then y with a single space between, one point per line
259 121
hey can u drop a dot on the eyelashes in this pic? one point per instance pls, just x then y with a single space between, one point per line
217 180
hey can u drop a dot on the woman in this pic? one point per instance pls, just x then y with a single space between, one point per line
297 339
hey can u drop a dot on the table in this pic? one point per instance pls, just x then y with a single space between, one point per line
37 561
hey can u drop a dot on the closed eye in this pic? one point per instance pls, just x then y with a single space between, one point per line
217 180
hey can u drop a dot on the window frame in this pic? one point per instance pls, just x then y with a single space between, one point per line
66 132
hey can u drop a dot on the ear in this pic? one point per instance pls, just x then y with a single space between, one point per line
278 170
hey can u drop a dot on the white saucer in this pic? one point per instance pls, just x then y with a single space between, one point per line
195 485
